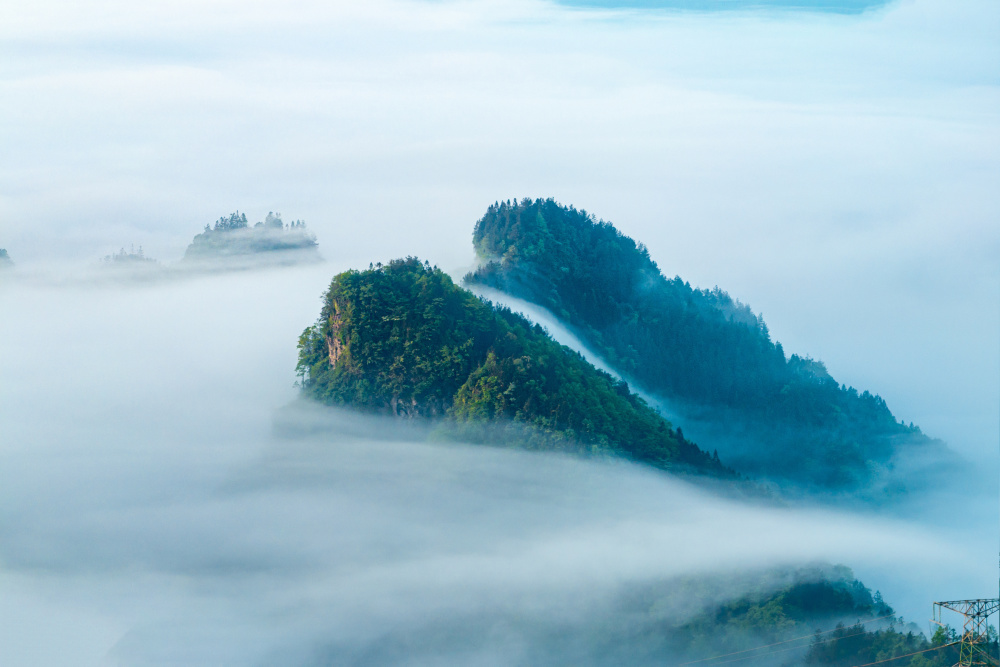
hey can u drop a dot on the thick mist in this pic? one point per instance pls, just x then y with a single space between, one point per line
165 499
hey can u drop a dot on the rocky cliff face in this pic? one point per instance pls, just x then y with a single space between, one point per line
334 346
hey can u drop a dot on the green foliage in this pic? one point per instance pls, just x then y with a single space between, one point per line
781 617
943 635
703 350
235 221
803 622
403 339
233 236
849 646
854 645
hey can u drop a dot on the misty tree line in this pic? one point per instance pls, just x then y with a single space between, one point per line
789 624
702 349
237 220
214 241
130 256
233 236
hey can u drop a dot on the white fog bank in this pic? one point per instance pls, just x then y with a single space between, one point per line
157 507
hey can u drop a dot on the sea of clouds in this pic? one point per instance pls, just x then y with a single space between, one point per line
835 172
164 498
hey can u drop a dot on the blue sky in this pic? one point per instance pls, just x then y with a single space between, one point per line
831 6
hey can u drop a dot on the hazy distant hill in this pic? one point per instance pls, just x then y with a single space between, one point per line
130 257
817 615
708 354
775 620
403 339
234 238
5 260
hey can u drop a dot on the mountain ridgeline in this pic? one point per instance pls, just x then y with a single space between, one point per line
404 340
705 352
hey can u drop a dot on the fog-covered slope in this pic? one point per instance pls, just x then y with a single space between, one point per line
160 506
710 355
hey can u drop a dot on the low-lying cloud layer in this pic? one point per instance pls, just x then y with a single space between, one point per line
159 503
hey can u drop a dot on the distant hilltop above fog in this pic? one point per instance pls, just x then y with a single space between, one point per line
231 244
404 340
234 238
131 257
710 357
5 260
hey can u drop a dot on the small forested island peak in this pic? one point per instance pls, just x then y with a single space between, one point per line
126 257
5 260
705 352
403 339
233 237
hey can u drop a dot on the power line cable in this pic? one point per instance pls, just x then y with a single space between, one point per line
926 650
790 648
794 639
833 639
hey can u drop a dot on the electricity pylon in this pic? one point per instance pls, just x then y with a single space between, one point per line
973 650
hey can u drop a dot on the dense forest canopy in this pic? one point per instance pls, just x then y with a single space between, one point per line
704 351
403 339
234 236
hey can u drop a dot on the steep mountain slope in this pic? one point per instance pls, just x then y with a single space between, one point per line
404 340
706 353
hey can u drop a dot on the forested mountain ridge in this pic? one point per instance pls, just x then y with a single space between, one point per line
819 615
403 339
704 351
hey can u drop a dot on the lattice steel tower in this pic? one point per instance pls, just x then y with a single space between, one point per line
974 644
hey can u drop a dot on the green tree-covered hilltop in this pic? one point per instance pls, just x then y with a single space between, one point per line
708 354
814 615
403 339
233 237
5 260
